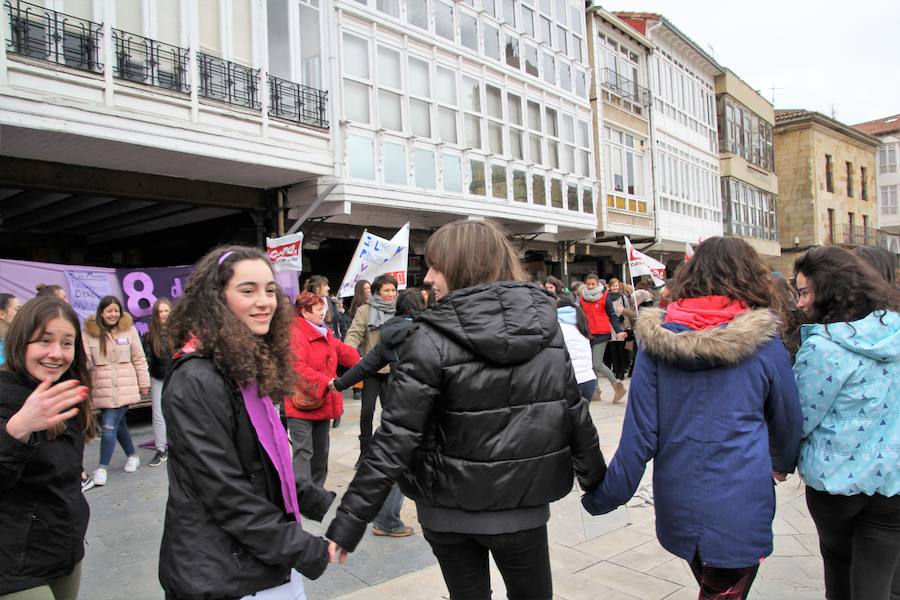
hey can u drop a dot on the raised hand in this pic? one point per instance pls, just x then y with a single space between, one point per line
45 407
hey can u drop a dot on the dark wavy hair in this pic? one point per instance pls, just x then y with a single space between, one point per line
845 287
105 301
359 297
410 303
28 326
881 259
202 312
726 266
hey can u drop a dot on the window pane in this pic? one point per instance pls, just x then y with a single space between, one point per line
587 200
509 12
494 99
420 118
490 7
476 177
580 84
468 31
565 76
394 163
417 14
491 42
572 197
452 173
568 159
534 149
546 31
472 131
310 47
584 163
556 199
528 21
356 56
418 78
577 21
279 49
583 133
512 52
443 20
520 186
561 44
553 154
498 182
514 106
389 67
471 94
531 60
356 101
538 190
391 7
425 174
447 124
445 82
389 108
552 123
495 137
549 69
360 157
515 144
534 116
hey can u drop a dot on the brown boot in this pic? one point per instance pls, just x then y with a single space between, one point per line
620 392
596 396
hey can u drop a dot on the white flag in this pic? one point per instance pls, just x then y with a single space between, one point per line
688 251
286 252
376 256
641 264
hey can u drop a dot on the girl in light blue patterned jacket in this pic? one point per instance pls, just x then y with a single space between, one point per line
848 373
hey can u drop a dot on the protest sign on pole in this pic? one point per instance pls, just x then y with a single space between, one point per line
688 251
376 256
286 252
641 264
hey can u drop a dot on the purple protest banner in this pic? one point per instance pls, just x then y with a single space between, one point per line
142 287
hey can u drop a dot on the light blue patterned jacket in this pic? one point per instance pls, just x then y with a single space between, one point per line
849 380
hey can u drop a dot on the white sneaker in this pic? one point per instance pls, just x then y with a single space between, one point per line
99 477
132 464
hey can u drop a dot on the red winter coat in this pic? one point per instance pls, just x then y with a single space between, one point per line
316 358
597 318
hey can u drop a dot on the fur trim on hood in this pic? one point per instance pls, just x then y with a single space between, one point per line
707 348
92 329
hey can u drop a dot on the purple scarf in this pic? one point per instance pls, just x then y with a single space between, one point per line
274 440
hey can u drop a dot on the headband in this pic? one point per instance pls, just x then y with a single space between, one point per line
224 256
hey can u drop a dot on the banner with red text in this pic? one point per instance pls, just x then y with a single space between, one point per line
286 252
641 264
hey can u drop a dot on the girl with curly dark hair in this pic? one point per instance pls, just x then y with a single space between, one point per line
848 372
232 519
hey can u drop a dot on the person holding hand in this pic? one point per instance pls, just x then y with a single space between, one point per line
45 419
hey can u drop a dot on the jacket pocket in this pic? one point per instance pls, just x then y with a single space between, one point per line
14 534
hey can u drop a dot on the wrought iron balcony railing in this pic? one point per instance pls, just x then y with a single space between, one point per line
150 62
624 87
296 102
229 82
52 36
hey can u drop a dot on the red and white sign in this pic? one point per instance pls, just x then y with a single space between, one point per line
641 264
286 253
688 251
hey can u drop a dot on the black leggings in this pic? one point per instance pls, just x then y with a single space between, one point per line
618 358
859 537
371 390
716 583
522 557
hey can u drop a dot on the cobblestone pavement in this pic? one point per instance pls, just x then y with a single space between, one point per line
613 557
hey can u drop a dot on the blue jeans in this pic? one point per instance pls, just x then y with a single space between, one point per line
587 389
388 518
114 428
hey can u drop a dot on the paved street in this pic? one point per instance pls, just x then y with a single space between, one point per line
614 557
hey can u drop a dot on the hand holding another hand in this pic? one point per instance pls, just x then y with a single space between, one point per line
331 386
336 553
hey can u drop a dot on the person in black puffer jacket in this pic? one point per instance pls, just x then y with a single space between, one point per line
484 424
45 419
232 526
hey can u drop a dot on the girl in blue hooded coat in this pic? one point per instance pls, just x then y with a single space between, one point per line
714 404
848 372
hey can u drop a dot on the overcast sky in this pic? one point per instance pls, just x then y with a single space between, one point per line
821 55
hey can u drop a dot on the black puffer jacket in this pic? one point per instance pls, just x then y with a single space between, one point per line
484 413
43 514
226 532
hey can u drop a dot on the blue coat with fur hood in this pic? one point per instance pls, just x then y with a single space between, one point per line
717 411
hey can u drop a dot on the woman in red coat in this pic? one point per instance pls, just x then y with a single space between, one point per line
317 353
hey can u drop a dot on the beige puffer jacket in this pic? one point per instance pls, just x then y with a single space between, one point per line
118 377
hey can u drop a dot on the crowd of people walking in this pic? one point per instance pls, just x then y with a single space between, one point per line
739 377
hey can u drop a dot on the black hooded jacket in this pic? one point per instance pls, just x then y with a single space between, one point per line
484 415
226 532
43 514
393 332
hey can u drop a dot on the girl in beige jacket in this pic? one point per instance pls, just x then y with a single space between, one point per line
119 378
